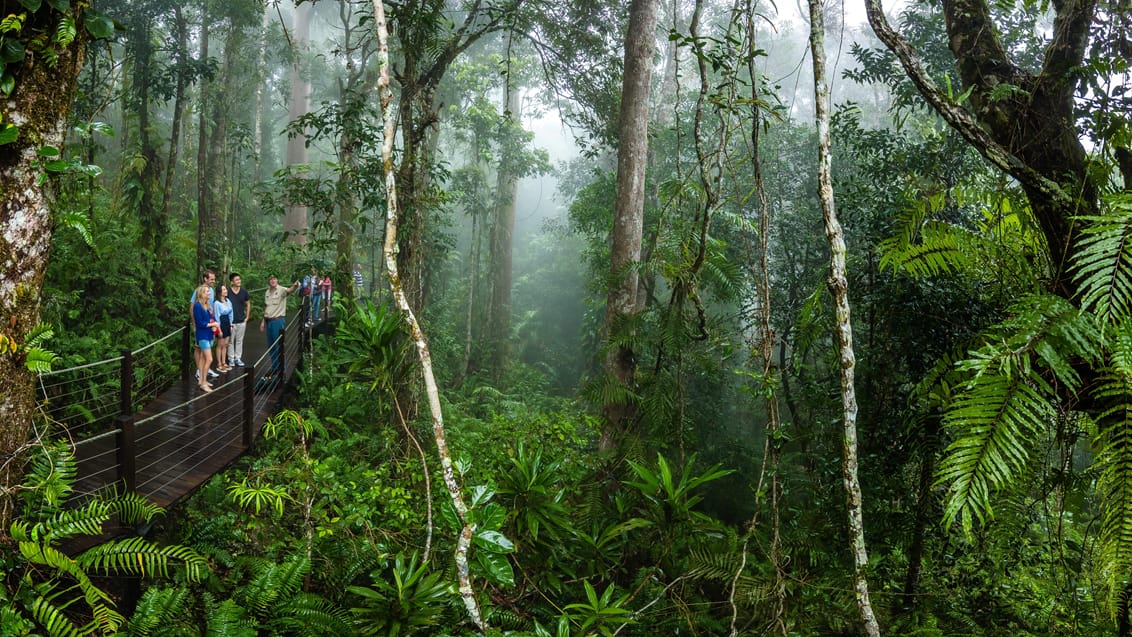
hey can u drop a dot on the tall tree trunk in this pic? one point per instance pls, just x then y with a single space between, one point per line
765 345
181 28
502 242
154 226
628 218
839 287
38 106
295 222
463 542
204 192
258 128
216 236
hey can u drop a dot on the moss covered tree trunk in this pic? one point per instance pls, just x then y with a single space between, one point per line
35 114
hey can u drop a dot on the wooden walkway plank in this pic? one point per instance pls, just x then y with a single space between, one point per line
185 435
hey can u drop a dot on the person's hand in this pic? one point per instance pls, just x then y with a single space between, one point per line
262 325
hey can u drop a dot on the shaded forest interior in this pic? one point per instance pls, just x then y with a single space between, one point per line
697 317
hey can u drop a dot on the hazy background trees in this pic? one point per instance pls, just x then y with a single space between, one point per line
224 128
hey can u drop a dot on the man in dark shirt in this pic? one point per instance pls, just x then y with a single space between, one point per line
241 310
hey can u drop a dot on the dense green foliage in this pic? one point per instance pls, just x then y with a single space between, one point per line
996 459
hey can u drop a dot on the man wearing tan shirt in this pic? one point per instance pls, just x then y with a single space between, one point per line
275 318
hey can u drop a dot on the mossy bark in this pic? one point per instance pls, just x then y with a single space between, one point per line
39 106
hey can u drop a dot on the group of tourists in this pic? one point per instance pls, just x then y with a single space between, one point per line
220 322
220 316
318 290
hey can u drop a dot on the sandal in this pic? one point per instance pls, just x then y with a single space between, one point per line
204 387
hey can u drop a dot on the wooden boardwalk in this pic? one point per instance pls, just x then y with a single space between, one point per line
178 441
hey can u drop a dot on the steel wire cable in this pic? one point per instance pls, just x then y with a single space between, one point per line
228 442
195 434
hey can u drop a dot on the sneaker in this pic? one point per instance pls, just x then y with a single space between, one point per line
196 375
238 363
213 374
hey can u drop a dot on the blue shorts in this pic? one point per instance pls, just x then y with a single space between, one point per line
205 343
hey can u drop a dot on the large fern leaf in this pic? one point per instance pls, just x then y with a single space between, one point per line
995 420
156 611
1103 261
137 555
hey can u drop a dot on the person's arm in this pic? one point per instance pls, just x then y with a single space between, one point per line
248 308
294 286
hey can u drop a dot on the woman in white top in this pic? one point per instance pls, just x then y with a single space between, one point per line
222 310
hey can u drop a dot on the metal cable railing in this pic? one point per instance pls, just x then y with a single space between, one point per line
83 400
178 443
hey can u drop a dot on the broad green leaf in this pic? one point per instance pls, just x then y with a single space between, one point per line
7 84
98 25
59 5
496 568
11 51
32 5
492 516
9 133
48 151
493 541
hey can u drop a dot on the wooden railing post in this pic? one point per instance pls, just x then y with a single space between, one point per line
283 353
187 366
126 390
249 407
127 452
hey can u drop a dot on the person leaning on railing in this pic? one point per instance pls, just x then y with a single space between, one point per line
275 318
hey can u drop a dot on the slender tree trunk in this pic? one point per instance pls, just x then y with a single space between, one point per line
181 28
295 222
258 128
502 243
463 542
919 531
204 191
39 105
767 336
628 218
216 236
154 226
839 287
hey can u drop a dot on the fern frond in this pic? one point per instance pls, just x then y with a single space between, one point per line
995 421
132 508
1103 262
54 559
1114 484
50 476
310 614
139 556
274 582
87 520
939 251
227 619
157 609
